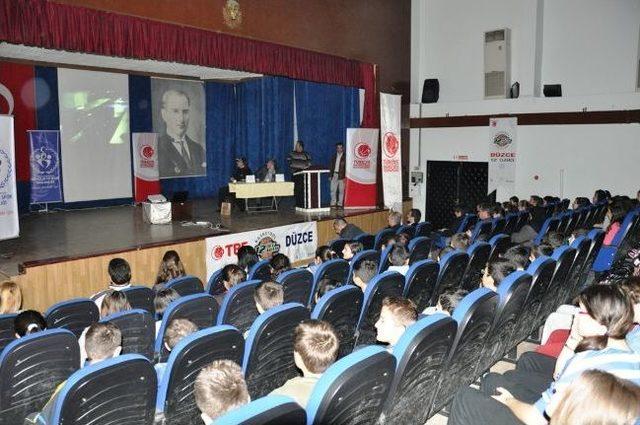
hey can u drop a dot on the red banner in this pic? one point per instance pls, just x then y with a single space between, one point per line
362 160
145 165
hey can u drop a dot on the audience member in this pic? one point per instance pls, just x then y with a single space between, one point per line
163 298
458 216
484 212
403 239
518 255
120 275
396 315
247 257
363 273
514 201
555 239
495 273
537 217
325 285
449 300
580 202
413 217
460 241
268 295
232 274
175 332
10 298
538 251
399 259
351 249
170 268
315 348
28 322
219 388
387 240
576 234
323 253
346 230
443 252
616 214
497 211
279 264
523 205
394 220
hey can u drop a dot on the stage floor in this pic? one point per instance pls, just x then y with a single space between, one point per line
64 235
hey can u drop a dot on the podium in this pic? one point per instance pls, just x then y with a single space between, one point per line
308 190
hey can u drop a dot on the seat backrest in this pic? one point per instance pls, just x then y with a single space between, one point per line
354 389
424 229
498 226
511 222
420 353
7 329
341 307
420 282
382 234
383 285
419 249
409 230
260 271
94 394
383 266
336 270
201 309
478 256
141 297
474 315
625 226
186 285
75 315
452 268
31 368
238 308
564 256
369 254
499 245
138 331
368 241
467 222
337 245
571 223
482 231
297 284
523 219
565 218
268 356
269 410
597 238
215 285
512 293
581 244
188 357
549 225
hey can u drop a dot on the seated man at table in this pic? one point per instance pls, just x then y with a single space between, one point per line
240 172
266 173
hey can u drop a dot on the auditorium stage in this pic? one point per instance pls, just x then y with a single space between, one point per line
64 254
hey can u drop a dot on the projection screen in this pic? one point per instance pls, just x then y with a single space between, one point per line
94 134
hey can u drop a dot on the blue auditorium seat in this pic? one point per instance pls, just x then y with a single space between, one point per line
268 356
121 390
269 410
523 219
498 225
34 365
297 284
215 285
564 256
7 330
138 329
478 256
201 309
341 307
608 253
336 270
354 389
260 271
474 315
596 237
419 249
141 297
420 283
420 353
368 241
571 224
337 245
185 285
452 268
175 390
424 229
75 315
239 307
565 220
550 225
512 294
382 234
384 259
482 231
409 230
499 245
369 254
467 223
581 244
510 224
383 285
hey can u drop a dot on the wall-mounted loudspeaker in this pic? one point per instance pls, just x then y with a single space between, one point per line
552 90
430 90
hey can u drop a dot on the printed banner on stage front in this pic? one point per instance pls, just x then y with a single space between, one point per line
362 163
145 165
391 152
297 241
9 226
502 157
45 166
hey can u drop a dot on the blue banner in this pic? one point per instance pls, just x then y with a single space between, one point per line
45 166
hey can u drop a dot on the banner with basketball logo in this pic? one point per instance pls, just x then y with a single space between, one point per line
362 161
391 152
145 165
9 226
502 157
45 166
297 241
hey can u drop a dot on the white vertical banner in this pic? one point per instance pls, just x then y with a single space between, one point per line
503 156
9 226
391 152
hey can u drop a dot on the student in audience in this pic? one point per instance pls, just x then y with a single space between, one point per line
580 202
268 295
518 255
514 201
387 240
444 251
219 388
484 212
523 205
247 257
394 220
363 274
10 298
346 230
323 254
175 332
403 239
325 285
120 275
508 207
28 322
460 241
458 216
497 211
399 259
576 234
396 315
163 298
495 273
232 275
170 268
413 217
351 249
539 250
448 301
315 348
279 264
555 239
537 217
616 214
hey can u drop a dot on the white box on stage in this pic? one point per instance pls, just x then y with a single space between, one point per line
156 212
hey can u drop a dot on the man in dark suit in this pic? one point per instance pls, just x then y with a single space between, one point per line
178 155
337 173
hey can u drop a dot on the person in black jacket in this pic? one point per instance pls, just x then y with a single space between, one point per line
240 172
298 160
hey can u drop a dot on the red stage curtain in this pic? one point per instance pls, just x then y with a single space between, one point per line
371 115
63 27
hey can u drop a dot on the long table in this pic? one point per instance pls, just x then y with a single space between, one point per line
271 190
